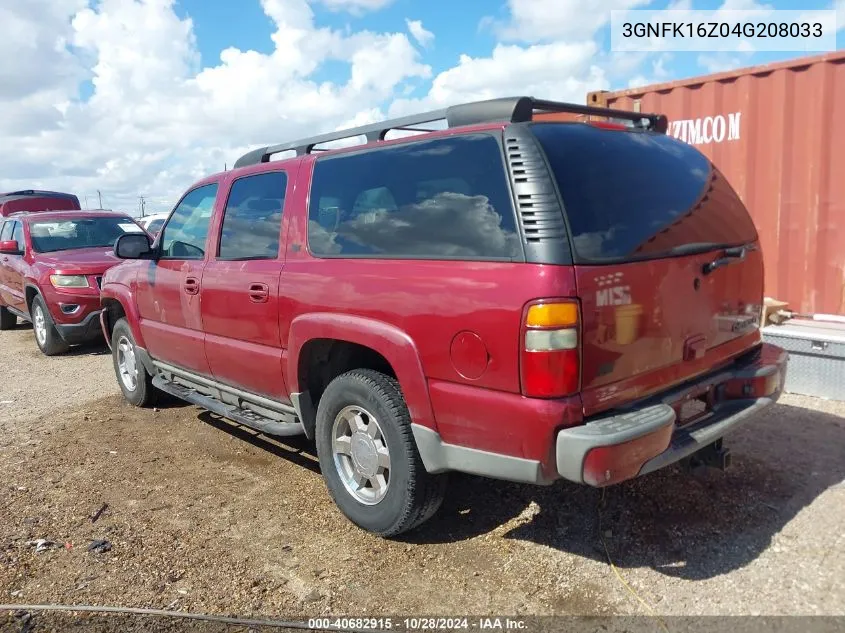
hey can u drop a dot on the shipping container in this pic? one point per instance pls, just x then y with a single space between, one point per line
777 133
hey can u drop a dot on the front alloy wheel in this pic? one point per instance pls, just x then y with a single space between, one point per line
127 366
39 324
133 379
47 337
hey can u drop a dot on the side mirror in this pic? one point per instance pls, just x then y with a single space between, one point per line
133 246
10 247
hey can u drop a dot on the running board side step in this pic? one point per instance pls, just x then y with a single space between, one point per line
237 414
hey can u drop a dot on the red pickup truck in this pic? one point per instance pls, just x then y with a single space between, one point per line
519 299
51 264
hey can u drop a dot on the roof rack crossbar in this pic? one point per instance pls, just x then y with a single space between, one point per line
414 129
507 109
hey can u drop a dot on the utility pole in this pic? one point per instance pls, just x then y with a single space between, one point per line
86 202
100 198
142 204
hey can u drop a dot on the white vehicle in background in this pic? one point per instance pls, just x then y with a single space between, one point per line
152 223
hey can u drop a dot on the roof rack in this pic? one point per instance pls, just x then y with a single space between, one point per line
510 109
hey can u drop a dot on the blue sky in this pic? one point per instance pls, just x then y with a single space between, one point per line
459 28
144 97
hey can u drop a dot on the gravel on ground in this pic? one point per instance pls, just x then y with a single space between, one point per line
201 515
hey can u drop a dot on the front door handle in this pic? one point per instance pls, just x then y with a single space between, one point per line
259 292
192 285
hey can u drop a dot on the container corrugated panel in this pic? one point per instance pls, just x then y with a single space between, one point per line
816 357
777 132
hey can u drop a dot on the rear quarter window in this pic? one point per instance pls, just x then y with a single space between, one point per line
635 195
437 199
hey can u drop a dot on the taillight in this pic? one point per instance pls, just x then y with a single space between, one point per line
550 358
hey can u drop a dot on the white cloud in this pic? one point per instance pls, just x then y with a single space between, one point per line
355 6
33 48
544 20
156 121
419 32
720 62
658 73
514 71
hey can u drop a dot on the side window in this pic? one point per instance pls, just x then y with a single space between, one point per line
17 235
439 199
252 220
183 237
6 232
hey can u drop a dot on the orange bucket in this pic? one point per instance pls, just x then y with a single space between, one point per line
628 323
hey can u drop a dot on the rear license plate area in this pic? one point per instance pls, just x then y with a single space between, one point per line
693 407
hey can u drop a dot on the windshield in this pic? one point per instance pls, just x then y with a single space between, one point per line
69 234
632 195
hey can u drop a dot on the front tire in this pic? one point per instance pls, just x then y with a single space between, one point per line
368 456
133 379
47 337
7 319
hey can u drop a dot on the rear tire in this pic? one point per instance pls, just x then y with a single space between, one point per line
47 337
368 456
7 319
133 379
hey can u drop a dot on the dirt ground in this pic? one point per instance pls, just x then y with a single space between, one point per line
204 516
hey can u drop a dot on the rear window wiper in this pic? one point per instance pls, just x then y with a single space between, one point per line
730 255
694 248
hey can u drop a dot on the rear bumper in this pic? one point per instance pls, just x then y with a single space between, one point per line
618 447
604 450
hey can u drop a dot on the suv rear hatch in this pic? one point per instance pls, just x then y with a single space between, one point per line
32 201
667 263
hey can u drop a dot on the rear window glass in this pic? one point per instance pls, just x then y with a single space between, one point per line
632 195
439 199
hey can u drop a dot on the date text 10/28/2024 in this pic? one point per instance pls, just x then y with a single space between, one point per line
419 624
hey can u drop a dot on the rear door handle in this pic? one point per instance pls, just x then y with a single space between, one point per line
259 292
192 285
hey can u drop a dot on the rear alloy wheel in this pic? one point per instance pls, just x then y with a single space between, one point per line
368 456
135 383
7 319
47 337
361 455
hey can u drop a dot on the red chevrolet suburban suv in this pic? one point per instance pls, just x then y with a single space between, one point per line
51 264
517 299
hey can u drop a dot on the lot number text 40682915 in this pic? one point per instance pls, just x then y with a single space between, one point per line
418 624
